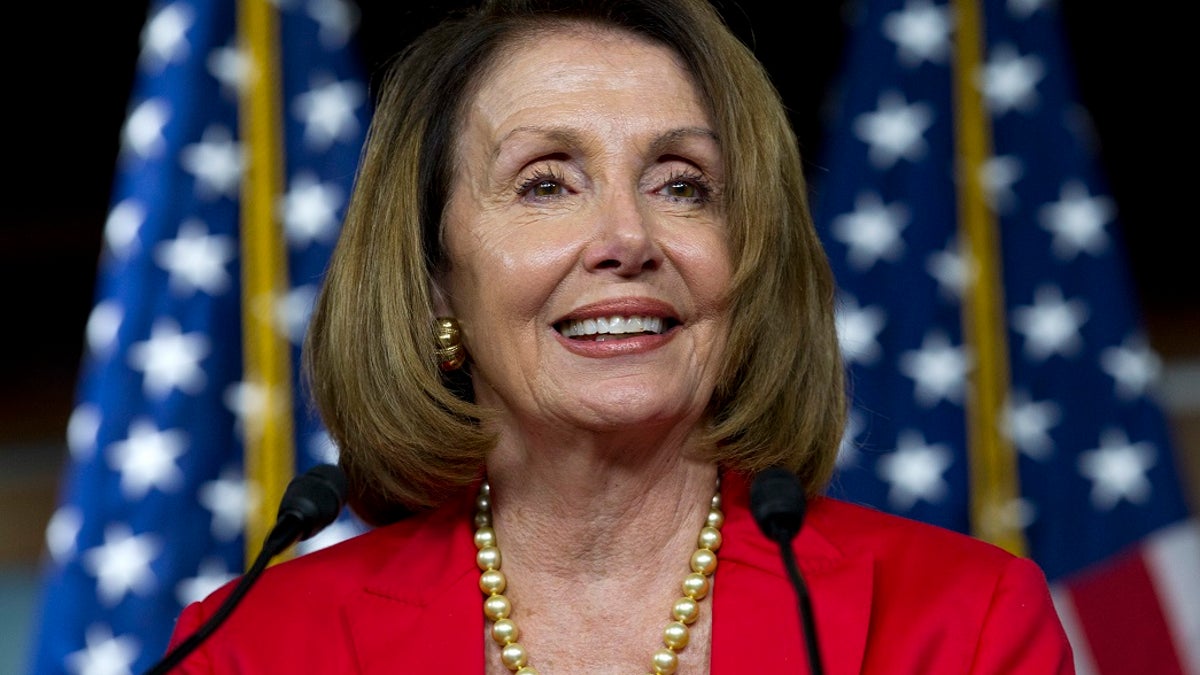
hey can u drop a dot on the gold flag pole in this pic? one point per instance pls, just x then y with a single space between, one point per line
268 434
995 512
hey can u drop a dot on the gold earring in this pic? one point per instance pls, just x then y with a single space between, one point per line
450 351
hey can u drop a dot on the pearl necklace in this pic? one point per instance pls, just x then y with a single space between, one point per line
497 607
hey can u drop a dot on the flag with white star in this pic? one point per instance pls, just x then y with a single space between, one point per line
155 499
1001 382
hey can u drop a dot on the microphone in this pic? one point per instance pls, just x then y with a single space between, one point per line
778 504
310 503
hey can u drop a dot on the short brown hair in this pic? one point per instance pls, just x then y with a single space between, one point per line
408 434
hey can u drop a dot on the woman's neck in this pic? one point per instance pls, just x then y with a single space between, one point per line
562 501
595 544
602 521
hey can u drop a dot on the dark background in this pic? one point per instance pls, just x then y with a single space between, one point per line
70 70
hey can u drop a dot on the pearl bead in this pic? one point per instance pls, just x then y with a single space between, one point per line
715 518
488 558
676 635
504 631
485 488
710 538
485 536
513 656
686 610
716 502
492 582
695 585
483 503
665 661
483 519
704 561
497 607
527 670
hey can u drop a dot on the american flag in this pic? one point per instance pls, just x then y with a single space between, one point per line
1002 383
246 122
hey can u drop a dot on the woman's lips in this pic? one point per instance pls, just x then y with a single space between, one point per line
618 326
617 345
604 328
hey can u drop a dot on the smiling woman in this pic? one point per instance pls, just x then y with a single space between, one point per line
590 188
578 305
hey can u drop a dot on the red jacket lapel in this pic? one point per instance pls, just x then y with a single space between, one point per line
756 624
422 612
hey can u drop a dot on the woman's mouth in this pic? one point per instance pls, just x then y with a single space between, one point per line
600 329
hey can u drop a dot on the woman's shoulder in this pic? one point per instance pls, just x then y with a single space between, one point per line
942 587
296 611
349 558
921 556
853 525
326 575
836 529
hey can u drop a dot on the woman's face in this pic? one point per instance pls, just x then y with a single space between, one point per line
587 247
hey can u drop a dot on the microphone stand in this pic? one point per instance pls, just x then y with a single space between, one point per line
804 605
311 502
177 655
778 504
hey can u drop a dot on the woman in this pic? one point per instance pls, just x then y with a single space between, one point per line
577 304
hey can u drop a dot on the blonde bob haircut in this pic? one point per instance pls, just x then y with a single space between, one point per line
410 435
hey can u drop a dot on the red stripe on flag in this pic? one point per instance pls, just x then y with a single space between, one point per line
1119 611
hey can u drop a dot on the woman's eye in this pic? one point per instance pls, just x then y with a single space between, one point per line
685 189
543 188
542 182
681 189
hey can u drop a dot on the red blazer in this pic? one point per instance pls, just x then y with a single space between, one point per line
890 596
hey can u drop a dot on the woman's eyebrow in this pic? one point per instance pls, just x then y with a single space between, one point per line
671 139
558 135
569 137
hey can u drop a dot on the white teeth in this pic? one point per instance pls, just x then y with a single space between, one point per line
613 325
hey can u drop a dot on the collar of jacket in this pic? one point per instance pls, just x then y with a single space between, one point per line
422 609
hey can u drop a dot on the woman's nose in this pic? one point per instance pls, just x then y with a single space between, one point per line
623 241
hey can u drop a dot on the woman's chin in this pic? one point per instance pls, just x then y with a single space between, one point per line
618 409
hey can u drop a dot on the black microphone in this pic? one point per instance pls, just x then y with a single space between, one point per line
310 503
778 503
